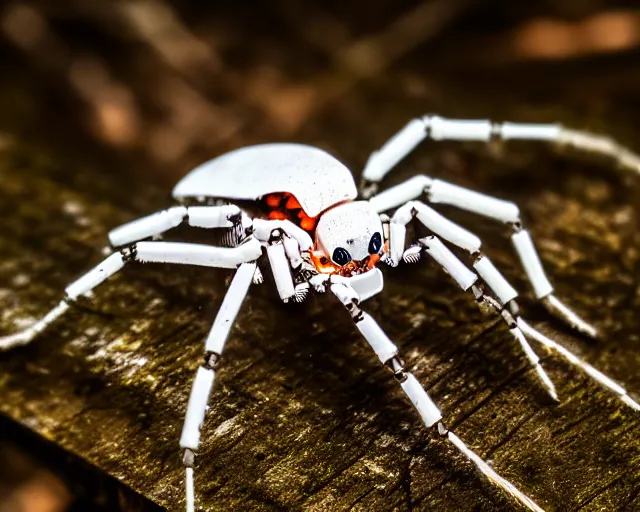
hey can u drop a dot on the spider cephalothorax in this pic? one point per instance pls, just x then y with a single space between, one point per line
309 193
348 239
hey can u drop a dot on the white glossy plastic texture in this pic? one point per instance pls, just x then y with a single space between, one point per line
531 263
449 261
394 150
375 336
482 204
427 409
281 270
196 408
413 188
494 279
228 311
368 284
196 254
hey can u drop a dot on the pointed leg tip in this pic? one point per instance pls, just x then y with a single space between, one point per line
631 402
15 340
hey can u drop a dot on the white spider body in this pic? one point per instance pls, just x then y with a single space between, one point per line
318 239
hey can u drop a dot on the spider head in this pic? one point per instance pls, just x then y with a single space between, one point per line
349 239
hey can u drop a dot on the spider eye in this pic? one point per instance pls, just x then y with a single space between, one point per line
341 256
375 243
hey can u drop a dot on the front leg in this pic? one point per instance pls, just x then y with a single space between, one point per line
387 352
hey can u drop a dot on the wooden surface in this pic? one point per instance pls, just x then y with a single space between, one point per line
303 416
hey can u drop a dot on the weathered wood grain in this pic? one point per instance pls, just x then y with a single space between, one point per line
303 416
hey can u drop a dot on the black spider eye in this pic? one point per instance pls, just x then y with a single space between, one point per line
375 243
341 256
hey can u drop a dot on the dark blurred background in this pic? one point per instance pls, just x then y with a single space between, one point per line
147 89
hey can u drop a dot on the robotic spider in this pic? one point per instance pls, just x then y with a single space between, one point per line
299 205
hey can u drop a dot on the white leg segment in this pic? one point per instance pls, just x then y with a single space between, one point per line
428 410
397 236
394 150
492 476
492 276
281 270
446 193
196 408
576 361
535 362
196 254
190 490
531 263
411 189
24 337
95 276
555 306
230 307
426 407
379 341
158 223
439 224
449 262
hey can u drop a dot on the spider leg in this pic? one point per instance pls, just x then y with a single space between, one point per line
597 375
205 375
146 252
468 281
209 217
438 128
518 327
387 352
438 191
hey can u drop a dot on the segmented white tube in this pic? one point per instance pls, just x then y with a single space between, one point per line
529 131
196 254
95 276
531 263
482 204
281 270
441 128
147 226
397 235
379 341
445 228
427 409
212 216
229 309
400 194
196 408
495 279
452 265
394 150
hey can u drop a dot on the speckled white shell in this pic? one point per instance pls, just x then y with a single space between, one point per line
316 179
350 226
